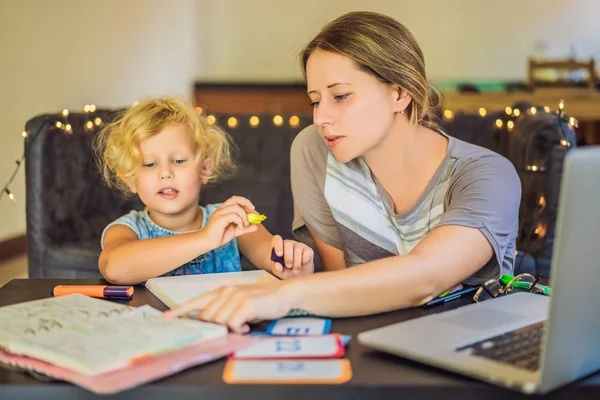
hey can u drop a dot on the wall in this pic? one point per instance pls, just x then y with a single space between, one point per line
67 53
462 39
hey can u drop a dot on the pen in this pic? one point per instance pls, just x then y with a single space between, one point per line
100 291
452 296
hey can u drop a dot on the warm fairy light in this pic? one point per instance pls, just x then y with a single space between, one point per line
199 110
254 121
89 124
573 122
542 201
59 124
510 125
508 110
65 112
68 128
278 120
448 114
565 143
24 134
533 110
561 105
97 121
211 119
232 122
516 112
294 121
482 111
499 123
546 109
540 230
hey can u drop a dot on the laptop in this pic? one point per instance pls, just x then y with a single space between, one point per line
523 341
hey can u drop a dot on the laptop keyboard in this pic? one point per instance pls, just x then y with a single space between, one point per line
521 347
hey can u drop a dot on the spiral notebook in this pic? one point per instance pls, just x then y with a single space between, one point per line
91 337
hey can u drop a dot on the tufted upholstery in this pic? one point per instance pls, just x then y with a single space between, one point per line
68 206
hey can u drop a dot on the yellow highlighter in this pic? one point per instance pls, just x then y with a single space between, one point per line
256 218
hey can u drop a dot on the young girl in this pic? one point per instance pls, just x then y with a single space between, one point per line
164 152
380 188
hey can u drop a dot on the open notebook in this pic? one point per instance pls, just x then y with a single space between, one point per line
91 336
176 290
144 371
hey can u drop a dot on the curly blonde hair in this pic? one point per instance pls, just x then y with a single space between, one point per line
117 145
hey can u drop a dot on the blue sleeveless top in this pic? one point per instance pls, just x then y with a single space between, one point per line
222 259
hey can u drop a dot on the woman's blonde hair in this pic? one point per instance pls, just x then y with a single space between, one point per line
382 47
117 145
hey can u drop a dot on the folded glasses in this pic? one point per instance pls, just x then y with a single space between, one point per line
494 288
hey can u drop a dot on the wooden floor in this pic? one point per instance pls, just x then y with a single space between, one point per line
13 268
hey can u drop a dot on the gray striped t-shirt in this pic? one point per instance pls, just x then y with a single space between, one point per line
472 187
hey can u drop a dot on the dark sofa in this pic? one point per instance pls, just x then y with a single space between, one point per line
68 206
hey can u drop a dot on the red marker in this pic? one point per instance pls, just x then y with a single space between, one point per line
100 291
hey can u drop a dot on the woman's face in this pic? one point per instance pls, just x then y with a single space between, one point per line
353 111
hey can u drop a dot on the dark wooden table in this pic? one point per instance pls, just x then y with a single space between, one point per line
375 374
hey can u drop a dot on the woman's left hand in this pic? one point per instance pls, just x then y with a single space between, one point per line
236 306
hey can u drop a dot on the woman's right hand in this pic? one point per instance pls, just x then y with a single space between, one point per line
229 221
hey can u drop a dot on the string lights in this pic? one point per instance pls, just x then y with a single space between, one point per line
92 122
60 121
508 120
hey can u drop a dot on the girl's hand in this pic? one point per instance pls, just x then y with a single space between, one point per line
229 221
298 257
236 306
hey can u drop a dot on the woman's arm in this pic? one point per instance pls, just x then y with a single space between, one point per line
126 260
445 257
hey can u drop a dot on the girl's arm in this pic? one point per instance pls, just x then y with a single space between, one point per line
126 260
298 258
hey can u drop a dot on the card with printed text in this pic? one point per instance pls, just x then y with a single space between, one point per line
300 326
292 347
288 371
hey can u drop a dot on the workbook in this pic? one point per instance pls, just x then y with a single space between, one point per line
176 290
91 336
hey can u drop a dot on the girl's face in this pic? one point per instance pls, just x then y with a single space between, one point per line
168 180
352 110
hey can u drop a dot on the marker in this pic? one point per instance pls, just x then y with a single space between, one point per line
276 258
256 218
99 291
452 296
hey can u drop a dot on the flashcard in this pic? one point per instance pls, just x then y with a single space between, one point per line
299 326
345 340
292 347
288 371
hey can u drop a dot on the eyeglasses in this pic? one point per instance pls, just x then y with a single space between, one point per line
494 288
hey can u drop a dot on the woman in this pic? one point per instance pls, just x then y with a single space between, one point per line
399 212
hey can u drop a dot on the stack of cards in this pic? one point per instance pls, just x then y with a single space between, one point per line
292 350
